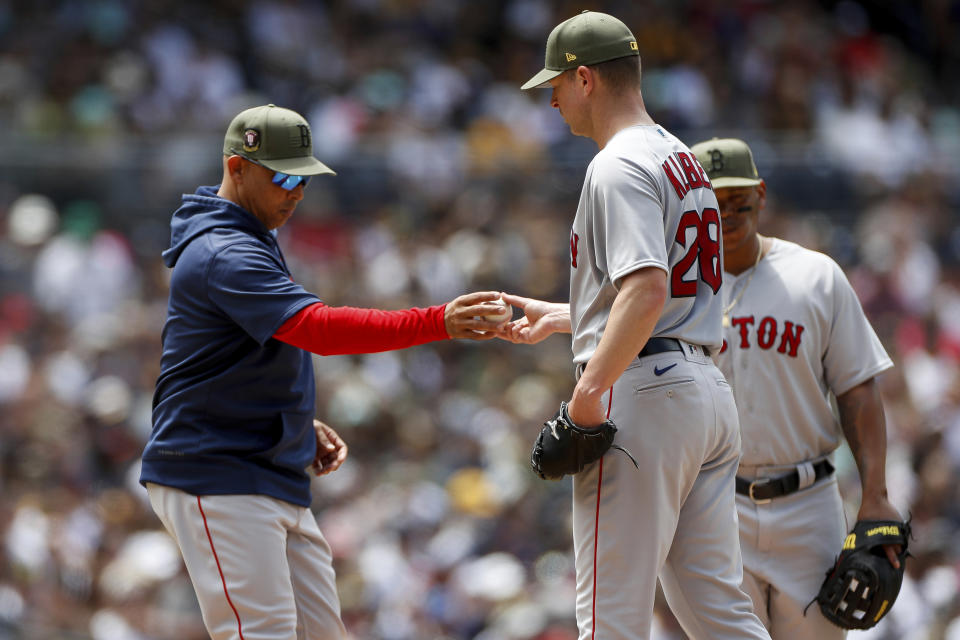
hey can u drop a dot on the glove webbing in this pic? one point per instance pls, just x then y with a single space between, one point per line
873 534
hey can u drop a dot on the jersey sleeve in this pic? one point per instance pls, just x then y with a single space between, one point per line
248 284
629 221
345 330
854 353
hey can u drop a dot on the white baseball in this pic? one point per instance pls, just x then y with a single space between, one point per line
500 311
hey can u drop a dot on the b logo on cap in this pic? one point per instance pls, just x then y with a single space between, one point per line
716 160
251 140
304 135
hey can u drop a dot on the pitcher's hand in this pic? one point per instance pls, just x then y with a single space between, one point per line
540 320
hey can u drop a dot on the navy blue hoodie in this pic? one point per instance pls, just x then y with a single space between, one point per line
233 407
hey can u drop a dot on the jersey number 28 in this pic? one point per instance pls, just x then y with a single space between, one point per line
702 249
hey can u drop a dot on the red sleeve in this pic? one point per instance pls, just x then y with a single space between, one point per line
342 330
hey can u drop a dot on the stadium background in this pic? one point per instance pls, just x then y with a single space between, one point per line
450 179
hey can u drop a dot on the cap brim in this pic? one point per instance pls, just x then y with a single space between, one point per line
726 183
308 166
542 79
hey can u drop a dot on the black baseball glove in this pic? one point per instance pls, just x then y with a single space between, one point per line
862 585
564 447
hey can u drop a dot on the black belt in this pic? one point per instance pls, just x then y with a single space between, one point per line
662 345
765 489
654 345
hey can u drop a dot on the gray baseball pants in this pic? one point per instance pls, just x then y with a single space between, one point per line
260 567
674 517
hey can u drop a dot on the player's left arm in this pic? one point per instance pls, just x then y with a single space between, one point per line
864 426
633 317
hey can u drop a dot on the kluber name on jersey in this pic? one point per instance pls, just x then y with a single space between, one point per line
646 202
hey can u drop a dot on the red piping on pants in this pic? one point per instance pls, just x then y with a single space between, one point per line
217 560
596 534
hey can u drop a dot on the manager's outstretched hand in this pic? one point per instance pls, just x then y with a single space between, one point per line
540 320
463 316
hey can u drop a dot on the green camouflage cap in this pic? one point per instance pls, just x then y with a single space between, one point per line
277 138
588 38
728 162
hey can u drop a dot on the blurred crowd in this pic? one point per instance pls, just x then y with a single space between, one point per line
450 180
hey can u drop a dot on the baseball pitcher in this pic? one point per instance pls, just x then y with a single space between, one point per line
644 313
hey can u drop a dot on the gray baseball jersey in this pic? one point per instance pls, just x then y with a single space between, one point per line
799 327
797 336
646 202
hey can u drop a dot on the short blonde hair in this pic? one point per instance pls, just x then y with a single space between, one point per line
619 74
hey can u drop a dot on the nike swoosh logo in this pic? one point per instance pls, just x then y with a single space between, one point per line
657 371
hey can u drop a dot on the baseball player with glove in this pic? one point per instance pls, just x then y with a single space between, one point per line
644 313
795 341
226 466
